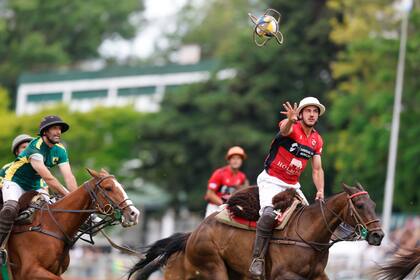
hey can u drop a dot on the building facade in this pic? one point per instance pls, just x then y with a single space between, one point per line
144 87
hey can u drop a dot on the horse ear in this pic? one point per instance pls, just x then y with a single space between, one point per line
346 188
103 171
359 186
92 173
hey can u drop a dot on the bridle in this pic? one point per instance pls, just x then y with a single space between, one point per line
359 232
356 216
110 208
112 212
361 229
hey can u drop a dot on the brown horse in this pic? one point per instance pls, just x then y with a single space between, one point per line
403 265
41 251
300 251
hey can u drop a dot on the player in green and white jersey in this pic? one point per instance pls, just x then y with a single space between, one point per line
33 164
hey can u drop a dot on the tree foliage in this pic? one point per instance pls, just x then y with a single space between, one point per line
38 35
188 139
97 139
362 103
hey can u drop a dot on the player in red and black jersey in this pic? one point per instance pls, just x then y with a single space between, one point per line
296 142
225 180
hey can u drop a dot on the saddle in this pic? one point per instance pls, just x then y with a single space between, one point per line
28 203
242 209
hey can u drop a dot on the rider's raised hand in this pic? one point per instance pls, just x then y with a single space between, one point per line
291 112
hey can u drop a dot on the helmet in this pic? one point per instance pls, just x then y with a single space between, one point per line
48 121
22 138
308 101
236 150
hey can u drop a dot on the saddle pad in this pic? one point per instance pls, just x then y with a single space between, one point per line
224 217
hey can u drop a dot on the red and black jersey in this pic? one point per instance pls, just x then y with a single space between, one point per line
224 181
289 154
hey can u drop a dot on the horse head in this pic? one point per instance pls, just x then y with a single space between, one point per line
109 196
361 214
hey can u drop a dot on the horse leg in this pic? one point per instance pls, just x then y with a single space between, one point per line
208 270
174 269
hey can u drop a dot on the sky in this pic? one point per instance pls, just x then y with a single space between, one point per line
160 15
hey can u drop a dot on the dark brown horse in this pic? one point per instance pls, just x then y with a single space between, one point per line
300 251
404 264
42 252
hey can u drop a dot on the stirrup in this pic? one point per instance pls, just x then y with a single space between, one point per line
253 269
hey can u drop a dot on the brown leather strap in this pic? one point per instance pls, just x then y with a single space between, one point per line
47 232
289 242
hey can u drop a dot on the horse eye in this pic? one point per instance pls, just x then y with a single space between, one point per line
108 188
359 206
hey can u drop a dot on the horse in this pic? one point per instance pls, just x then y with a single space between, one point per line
41 249
401 266
215 250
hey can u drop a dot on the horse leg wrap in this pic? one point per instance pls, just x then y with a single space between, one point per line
264 232
8 215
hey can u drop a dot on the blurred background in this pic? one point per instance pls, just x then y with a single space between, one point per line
157 91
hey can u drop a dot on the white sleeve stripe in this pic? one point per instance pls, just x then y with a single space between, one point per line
36 157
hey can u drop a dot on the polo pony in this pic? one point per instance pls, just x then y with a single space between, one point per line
41 250
215 250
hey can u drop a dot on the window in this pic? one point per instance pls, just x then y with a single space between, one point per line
87 94
136 91
44 97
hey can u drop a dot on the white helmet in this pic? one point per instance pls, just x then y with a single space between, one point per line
308 101
22 138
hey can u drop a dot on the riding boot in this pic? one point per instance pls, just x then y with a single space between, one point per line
8 215
265 226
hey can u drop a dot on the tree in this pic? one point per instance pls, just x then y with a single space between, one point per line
361 110
188 139
38 35
98 139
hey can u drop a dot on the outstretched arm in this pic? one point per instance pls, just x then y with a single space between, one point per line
51 181
318 176
286 127
68 176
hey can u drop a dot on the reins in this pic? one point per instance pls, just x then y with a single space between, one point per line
111 211
360 230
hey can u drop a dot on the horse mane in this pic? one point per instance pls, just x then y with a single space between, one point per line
400 266
245 202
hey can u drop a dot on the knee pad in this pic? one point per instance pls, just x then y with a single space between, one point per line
266 221
10 210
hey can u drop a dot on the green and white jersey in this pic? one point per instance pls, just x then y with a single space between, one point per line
3 173
38 184
22 172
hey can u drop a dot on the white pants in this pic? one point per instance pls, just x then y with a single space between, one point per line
269 186
12 191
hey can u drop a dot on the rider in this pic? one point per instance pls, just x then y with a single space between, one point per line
31 165
225 180
18 145
296 143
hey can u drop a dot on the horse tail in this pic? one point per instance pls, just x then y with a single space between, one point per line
158 254
401 266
